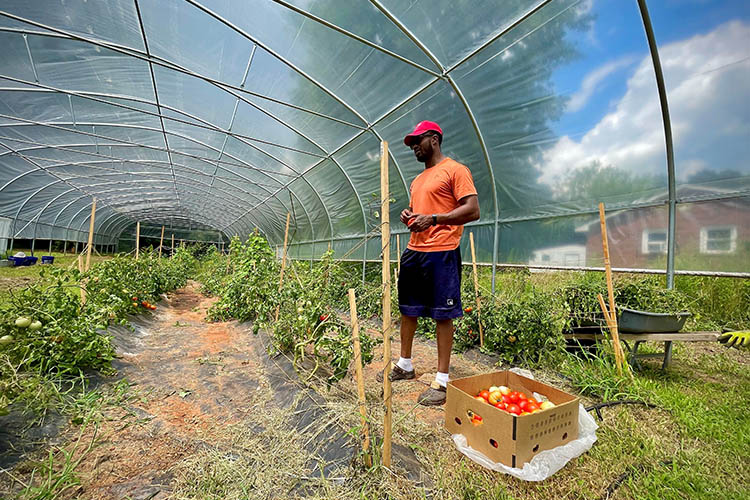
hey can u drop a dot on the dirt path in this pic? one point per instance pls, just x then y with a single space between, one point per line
198 382
194 378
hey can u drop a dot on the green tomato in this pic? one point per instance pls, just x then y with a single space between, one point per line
23 322
6 339
35 325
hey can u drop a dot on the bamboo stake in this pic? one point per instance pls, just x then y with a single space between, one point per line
137 239
610 292
83 282
476 289
283 260
603 305
91 235
360 377
161 241
385 240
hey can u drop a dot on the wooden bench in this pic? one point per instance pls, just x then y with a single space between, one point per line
639 338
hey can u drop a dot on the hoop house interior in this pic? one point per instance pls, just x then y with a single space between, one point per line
215 118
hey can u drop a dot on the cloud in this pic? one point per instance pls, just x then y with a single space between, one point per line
707 78
593 79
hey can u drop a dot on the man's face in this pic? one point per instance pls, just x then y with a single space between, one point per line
423 147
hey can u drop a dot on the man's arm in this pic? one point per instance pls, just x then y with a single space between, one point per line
466 211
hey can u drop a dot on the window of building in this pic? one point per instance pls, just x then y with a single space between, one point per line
654 241
718 239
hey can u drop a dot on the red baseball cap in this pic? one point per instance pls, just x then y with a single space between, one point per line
420 129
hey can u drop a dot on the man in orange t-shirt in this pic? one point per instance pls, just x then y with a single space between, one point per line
443 199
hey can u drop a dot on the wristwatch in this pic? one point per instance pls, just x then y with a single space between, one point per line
434 220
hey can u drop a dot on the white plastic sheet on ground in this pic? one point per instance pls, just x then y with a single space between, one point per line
547 462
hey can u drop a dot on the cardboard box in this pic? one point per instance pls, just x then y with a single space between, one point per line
503 437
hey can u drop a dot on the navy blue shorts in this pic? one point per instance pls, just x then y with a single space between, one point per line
430 284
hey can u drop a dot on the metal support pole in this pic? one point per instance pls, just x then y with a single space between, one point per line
667 138
670 155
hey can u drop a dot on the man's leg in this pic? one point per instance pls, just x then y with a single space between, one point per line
444 332
435 395
408 327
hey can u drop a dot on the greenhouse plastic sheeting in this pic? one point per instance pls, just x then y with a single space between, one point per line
219 117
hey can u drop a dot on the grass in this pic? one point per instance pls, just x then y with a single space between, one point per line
13 277
701 435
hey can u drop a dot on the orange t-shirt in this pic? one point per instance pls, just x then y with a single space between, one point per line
437 191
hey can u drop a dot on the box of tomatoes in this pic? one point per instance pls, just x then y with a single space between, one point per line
500 416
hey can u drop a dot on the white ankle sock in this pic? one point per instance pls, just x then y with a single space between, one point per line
405 364
442 378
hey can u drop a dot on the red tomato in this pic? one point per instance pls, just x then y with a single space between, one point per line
485 395
500 405
514 409
522 404
323 317
521 396
532 400
532 407
506 399
513 396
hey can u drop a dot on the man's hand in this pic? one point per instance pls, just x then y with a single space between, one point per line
735 339
420 222
406 214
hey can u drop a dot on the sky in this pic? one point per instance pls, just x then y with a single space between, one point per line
613 114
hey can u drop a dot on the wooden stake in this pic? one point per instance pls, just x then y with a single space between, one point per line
91 235
476 289
137 239
611 292
283 259
385 240
605 311
360 377
173 244
83 282
161 241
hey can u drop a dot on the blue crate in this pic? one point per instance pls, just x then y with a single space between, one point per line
48 259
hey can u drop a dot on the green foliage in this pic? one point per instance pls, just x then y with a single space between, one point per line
715 302
527 328
307 303
649 293
250 292
211 273
71 337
